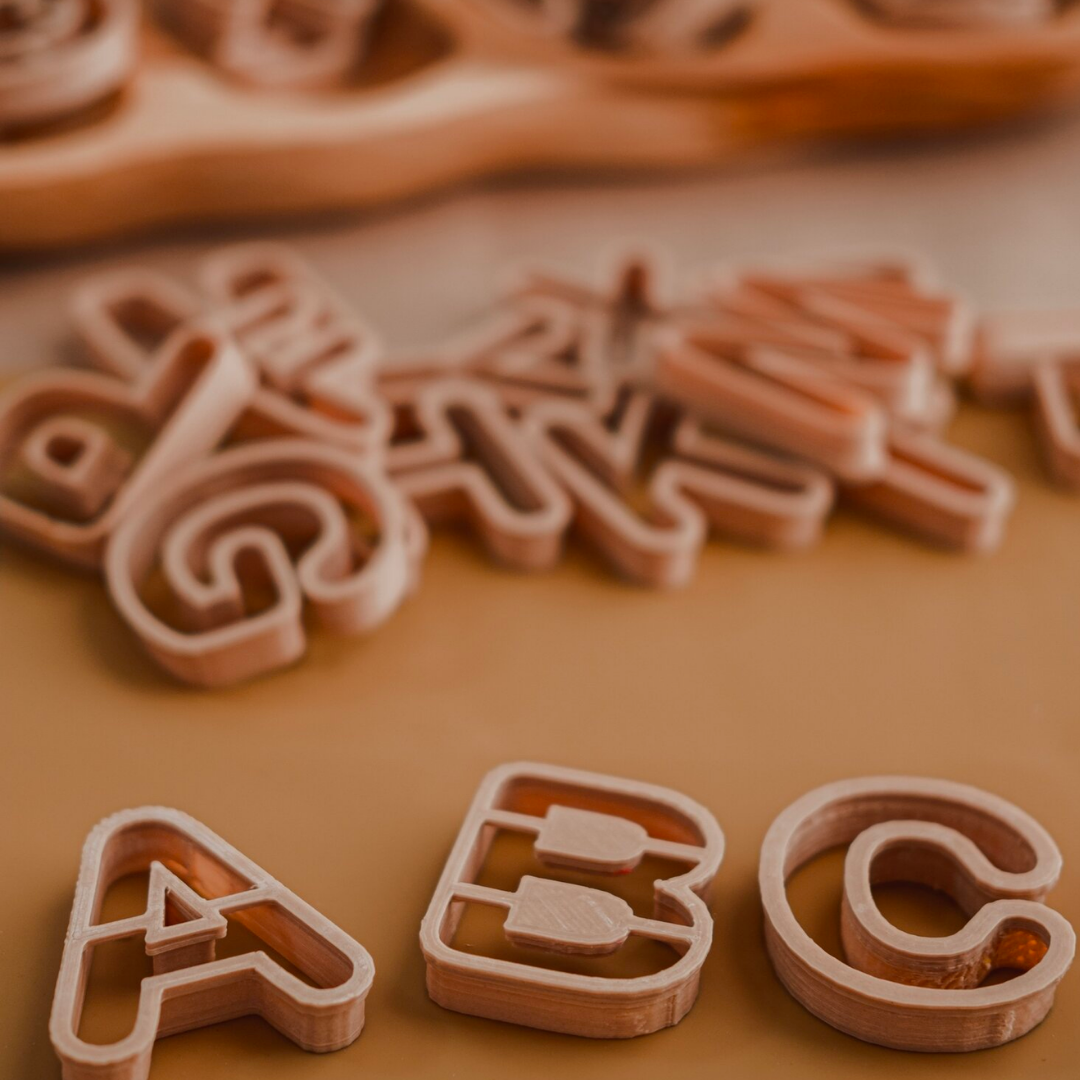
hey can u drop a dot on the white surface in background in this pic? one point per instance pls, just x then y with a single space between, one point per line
998 215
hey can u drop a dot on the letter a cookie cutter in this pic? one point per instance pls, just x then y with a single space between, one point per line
528 350
233 525
902 990
79 481
196 880
619 320
582 822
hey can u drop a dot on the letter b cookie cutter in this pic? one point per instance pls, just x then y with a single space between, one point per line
581 821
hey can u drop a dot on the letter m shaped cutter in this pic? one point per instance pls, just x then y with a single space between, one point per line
581 823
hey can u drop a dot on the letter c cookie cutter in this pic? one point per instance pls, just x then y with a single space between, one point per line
901 990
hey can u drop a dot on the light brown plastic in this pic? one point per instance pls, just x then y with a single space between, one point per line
62 57
1011 344
196 881
697 483
940 411
1057 387
939 492
744 318
78 482
876 325
774 397
529 349
470 463
588 823
884 316
552 337
1033 356
595 461
316 359
758 497
959 14
619 317
229 529
275 43
902 990
122 317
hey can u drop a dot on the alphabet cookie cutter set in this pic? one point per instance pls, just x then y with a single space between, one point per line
244 452
219 109
587 833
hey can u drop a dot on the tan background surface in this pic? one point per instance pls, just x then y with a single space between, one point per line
347 777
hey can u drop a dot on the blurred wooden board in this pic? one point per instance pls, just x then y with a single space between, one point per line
453 92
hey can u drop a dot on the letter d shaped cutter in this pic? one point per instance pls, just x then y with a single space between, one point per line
581 821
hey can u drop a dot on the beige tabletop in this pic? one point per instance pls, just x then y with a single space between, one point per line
347 778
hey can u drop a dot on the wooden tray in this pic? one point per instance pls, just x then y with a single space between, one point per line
455 91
